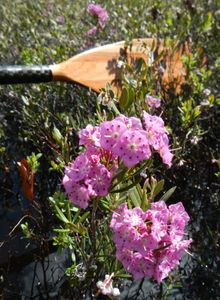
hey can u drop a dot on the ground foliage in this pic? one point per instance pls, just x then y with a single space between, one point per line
33 116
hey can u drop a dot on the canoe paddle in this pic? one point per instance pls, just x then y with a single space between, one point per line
97 67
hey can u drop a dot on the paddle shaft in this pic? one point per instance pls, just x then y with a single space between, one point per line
25 74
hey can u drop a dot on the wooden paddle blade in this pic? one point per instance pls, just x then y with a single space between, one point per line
97 67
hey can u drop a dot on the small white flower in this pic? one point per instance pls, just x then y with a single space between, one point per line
206 92
116 292
143 174
205 102
120 64
105 100
181 162
150 59
160 70
150 56
194 140
100 98
105 287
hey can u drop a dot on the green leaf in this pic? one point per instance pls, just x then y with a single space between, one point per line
196 112
73 257
208 22
130 81
25 100
131 97
153 46
138 65
61 216
127 187
158 188
61 230
135 197
159 56
84 216
123 101
168 194
57 134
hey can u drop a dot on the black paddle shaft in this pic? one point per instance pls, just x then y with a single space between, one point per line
25 74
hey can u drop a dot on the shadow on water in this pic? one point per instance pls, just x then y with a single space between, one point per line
32 271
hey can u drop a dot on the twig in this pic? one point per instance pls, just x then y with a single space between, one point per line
15 227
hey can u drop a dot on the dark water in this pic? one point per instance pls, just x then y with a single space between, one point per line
34 271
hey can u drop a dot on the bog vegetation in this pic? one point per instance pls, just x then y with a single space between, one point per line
129 184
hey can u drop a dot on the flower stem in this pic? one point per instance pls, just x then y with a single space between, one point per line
93 224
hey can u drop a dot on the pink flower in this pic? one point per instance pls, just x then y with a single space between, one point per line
126 236
152 102
89 136
141 266
149 244
103 17
119 216
79 194
100 12
94 9
131 123
110 133
125 256
92 31
100 179
168 259
79 168
158 136
153 123
122 138
166 156
132 147
60 19
146 243
178 220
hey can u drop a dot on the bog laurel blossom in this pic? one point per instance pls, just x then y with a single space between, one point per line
150 244
101 14
122 139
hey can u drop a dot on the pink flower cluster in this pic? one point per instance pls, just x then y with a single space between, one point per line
158 136
121 138
102 15
152 102
86 177
150 244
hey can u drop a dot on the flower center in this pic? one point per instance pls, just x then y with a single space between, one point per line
132 146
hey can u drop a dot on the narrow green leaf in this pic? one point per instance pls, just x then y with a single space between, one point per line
168 194
208 22
158 188
84 216
153 46
135 198
61 230
138 65
73 257
123 101
127 187
57 134
159 56
131 97
76 216
60 215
